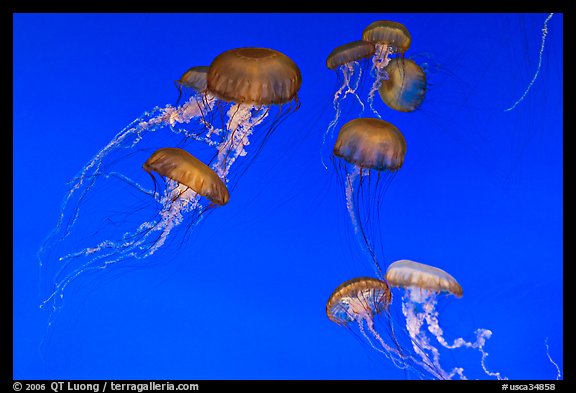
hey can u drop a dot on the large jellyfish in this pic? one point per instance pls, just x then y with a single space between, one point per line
422 284
368 153
363 304
405 88
389 38
250 88
109 216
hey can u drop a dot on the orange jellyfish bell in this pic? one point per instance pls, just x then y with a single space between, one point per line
357 297
257 76
405 88
183 167
351 51
195 78
392 34
371 143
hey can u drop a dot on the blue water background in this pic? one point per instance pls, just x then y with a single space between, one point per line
479 195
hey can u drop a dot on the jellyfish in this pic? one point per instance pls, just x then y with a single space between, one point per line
389 38
252 89
108 202
363 303
405 88
194 178
193 80
422 284
189 191
368 152
348 61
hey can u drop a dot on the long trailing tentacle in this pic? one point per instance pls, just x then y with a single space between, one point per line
540 55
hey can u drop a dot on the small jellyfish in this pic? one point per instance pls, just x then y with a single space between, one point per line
363 303
361 300
389 38
369 152
405 88
422 283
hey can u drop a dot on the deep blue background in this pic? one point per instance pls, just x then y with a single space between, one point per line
479 195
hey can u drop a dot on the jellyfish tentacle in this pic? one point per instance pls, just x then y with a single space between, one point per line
558 373
540 55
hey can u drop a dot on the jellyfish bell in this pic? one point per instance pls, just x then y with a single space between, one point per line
358 299
254 76
406 273
193 79
392 34
350 52
367 154
405 88
179 165
370 143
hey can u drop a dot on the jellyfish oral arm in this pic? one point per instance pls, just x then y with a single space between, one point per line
194 108
241 123
381 57
420 342
178 199
415 299
379 62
